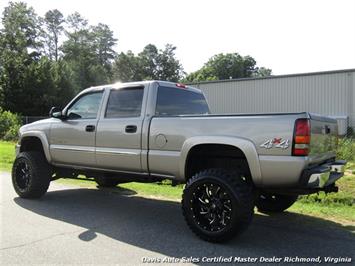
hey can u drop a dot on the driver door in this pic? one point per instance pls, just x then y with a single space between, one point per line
72 141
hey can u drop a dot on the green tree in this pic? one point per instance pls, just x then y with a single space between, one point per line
55 81
263 72
103 42
227 66
79 40
76 22
30 82
54 21
79 53
33 77
149 64
127 67
149 61
89 52
160 64
168 67
19 49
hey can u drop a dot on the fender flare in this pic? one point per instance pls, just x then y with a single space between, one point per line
42 137
245 145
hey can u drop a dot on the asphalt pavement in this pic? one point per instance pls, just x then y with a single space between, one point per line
73 225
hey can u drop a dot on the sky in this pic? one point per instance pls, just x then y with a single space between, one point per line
288 36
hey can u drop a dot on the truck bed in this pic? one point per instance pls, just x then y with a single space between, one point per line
167 136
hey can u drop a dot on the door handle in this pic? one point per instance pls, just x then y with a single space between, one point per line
131 129
90 128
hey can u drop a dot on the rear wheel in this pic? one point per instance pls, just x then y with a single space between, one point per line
31 174
218 204
107 181
268 203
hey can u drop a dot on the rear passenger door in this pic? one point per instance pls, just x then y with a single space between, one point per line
118 136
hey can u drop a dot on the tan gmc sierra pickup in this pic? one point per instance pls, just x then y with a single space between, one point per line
153 130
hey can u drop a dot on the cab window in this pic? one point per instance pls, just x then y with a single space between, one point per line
125 102
174 101
85 107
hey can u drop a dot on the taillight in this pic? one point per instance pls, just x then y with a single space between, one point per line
180 85
301 137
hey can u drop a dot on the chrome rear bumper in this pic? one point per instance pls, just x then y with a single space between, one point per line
325 175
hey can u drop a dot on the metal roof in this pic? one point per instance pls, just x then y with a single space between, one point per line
275 76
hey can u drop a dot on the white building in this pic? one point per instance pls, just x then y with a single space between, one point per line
329 93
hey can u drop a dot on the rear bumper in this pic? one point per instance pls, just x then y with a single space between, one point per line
323 175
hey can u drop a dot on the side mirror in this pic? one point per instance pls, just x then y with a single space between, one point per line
56 113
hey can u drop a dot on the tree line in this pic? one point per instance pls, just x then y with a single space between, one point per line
45 61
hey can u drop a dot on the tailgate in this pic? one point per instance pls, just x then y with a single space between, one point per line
324 131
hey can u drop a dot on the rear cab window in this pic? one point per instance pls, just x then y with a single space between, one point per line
178 101
125 102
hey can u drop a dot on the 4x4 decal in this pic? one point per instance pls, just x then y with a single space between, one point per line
275 143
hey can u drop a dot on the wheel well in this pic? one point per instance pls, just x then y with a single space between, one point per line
31 144
216 156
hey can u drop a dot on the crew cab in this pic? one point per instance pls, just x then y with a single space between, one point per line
153 130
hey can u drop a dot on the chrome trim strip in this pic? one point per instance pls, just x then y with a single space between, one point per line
164 153
72 148
118 151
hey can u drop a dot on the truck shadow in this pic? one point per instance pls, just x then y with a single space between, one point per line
158 226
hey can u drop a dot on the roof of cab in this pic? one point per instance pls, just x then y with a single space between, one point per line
137 83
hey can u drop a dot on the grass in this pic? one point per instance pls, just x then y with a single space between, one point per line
339 213
7 155
338 207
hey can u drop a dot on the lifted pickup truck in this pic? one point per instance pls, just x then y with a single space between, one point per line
153 130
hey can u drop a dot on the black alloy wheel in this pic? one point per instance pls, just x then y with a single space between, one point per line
31 174
218 204
211 206
23 175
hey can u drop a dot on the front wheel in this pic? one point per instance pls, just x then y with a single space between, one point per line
31 174
269 203
218 204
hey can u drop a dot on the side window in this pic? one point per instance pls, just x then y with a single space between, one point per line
125 102
86 107
171 102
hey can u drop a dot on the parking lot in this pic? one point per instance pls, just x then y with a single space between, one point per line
72 225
